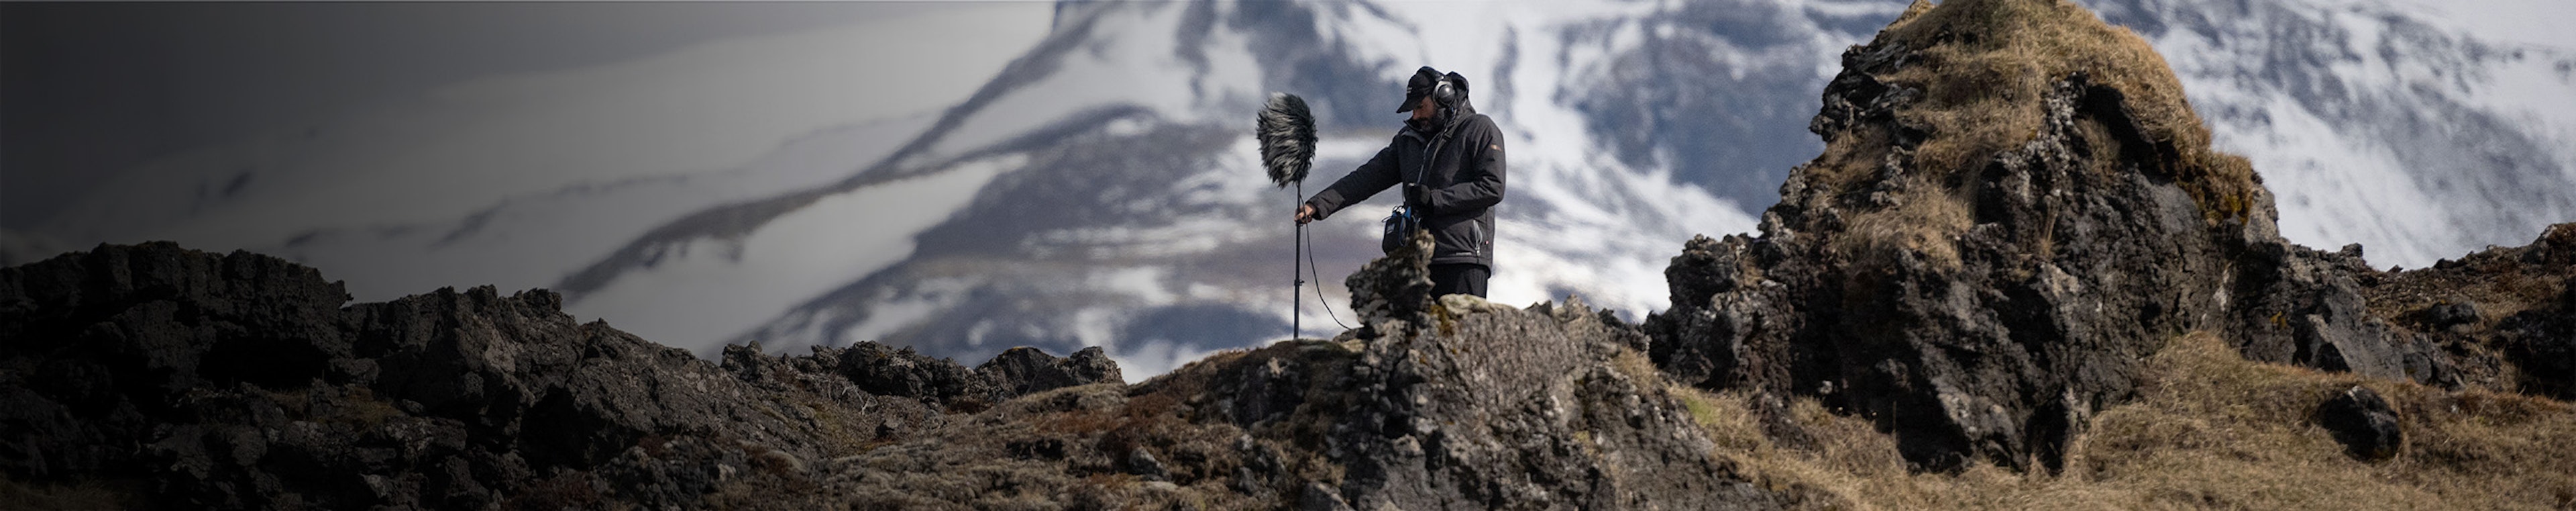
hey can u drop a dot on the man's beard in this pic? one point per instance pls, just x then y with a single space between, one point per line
1425 125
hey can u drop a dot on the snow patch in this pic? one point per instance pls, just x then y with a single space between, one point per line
693 301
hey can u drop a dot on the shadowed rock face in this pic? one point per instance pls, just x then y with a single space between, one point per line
240 381
1458 403
2506 314
203 381
888 371
1989 244
2363 422
1450 403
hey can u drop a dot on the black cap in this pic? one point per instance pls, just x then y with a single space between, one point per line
1423 80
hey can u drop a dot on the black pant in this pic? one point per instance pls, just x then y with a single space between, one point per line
1459 278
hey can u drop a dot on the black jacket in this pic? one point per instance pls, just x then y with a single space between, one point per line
1461 173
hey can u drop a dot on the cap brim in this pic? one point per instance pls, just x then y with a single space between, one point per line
1410 102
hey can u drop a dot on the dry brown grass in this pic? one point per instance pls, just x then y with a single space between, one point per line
2209 431
1927 222
18 495
1635 366
1983 66
1983 69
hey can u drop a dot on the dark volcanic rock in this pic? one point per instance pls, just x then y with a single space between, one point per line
2451 314
2541 343
1461 405
1989 245
2363 422
2506 315
885 370
1495 407
1473 405
1396 287
1025 370
240 381
888 371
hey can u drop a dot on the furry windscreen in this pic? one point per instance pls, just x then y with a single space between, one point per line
1287 133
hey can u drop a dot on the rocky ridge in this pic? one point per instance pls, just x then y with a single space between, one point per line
240 381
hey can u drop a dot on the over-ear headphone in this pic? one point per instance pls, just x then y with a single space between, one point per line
1443 93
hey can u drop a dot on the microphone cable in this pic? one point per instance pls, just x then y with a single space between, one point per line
1309 243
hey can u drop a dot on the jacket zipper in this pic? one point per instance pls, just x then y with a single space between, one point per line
1430 155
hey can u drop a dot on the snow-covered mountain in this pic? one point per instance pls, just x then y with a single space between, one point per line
1135 217
2378 123
1084 176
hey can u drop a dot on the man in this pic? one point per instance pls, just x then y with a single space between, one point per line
1450 161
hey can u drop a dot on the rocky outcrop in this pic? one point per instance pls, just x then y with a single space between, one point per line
243 381
1495 407
889 371
1990 242
1458 404
240 381
2505 315
1464 404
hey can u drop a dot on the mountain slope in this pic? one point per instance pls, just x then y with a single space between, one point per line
1631 123
2380 124
911 212
1171 212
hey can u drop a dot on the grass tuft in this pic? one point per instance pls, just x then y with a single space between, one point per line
1983 69
2209 430
79 495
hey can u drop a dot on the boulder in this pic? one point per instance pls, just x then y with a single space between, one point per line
1990 243
2363 422
1467 404
1026 370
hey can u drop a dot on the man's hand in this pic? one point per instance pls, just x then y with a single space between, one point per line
1305 213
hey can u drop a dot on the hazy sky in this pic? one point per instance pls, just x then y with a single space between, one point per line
89 89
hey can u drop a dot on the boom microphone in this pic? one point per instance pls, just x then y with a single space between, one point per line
1287 133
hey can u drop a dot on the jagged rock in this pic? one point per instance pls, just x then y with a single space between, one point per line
2450 314
1142 463
239 381
1990 243
2530 348
1025 370
2363 422
1319 497
2541 343
889 371
2306 307
1395 287
1474 406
